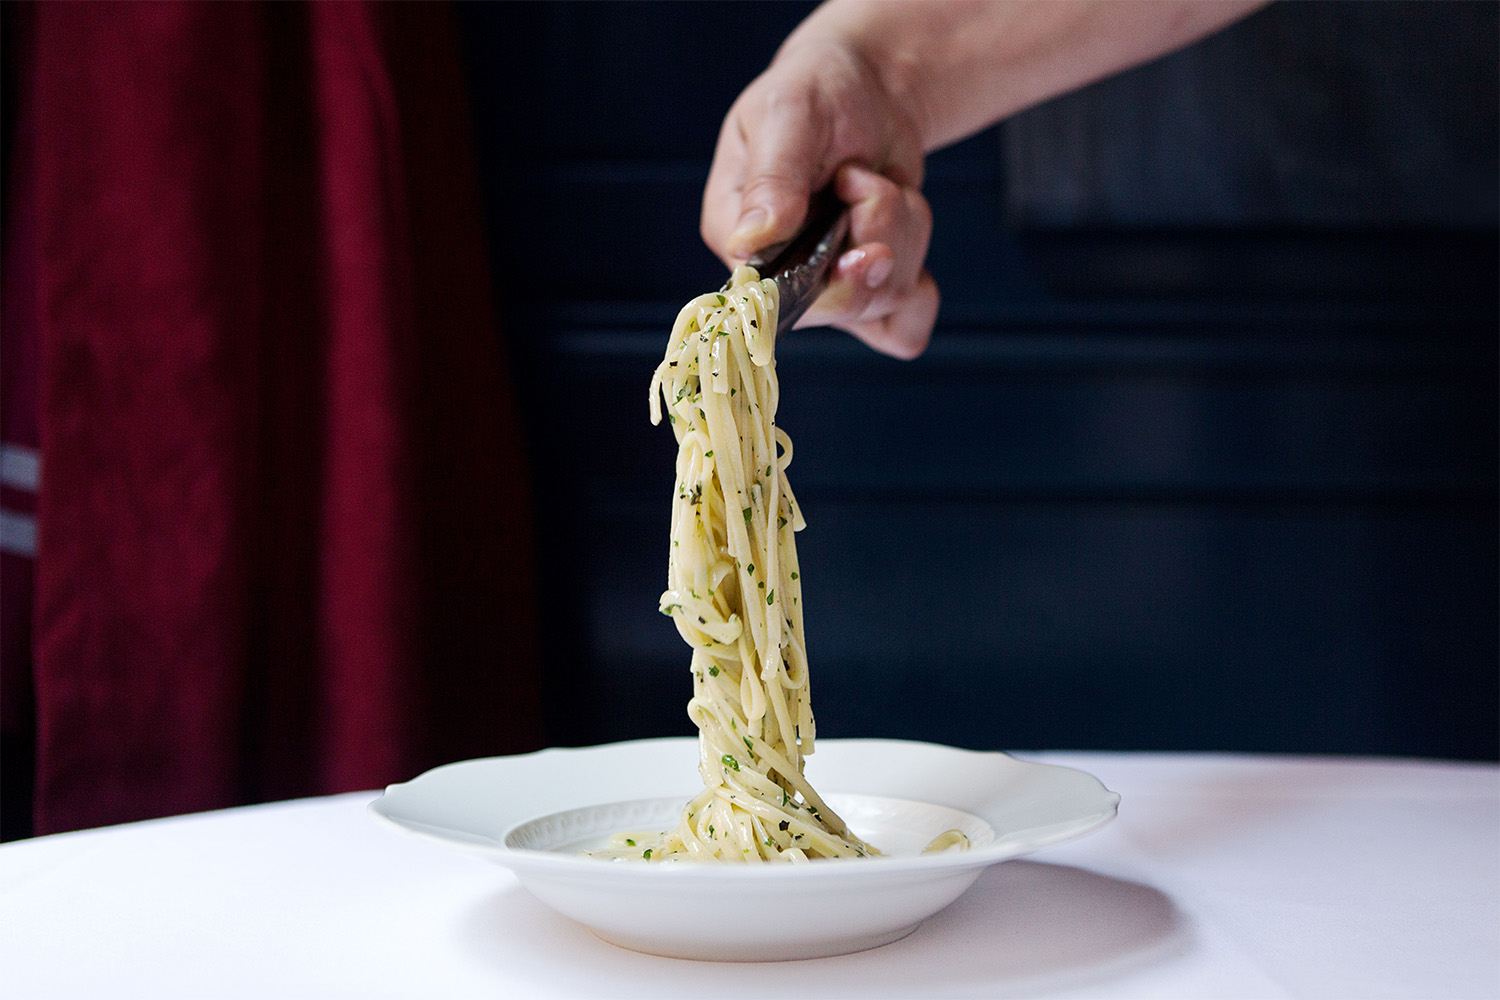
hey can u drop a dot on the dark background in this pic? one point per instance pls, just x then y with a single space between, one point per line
1204 453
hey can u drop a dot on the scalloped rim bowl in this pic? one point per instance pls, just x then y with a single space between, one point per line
533 813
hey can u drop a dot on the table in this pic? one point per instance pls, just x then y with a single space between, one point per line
1225 876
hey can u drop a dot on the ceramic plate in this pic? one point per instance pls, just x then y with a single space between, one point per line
534 813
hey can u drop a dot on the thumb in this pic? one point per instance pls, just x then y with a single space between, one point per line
782 169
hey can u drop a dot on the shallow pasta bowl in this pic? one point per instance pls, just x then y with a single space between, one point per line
534 813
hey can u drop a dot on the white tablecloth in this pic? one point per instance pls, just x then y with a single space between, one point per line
1225 876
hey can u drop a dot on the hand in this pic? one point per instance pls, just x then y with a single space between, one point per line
860 90
819 114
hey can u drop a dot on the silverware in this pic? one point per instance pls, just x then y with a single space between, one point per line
800 266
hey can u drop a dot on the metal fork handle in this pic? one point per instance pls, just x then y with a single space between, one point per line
801 266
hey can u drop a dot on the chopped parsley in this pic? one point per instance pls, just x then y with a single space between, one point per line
713 671
728 761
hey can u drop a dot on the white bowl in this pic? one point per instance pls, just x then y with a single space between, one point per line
534 813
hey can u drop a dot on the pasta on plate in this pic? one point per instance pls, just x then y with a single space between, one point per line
734 592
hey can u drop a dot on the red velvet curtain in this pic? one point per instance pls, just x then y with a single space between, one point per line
283 542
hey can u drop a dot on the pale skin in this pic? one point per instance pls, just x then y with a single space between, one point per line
862 90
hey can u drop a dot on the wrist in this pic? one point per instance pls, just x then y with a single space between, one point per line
932 64
866 91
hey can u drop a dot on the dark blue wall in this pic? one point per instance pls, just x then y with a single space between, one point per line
1203 455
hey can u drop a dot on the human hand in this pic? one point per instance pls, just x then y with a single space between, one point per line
821 115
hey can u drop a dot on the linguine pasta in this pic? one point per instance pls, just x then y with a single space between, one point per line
734 593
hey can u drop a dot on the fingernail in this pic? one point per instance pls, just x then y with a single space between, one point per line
752 224
878 272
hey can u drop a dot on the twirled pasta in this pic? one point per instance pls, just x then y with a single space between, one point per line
734 593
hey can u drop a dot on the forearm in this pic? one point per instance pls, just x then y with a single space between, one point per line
957 66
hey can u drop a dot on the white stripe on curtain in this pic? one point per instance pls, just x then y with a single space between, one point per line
20 467
17 534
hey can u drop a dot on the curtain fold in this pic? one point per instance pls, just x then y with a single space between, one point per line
283 526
